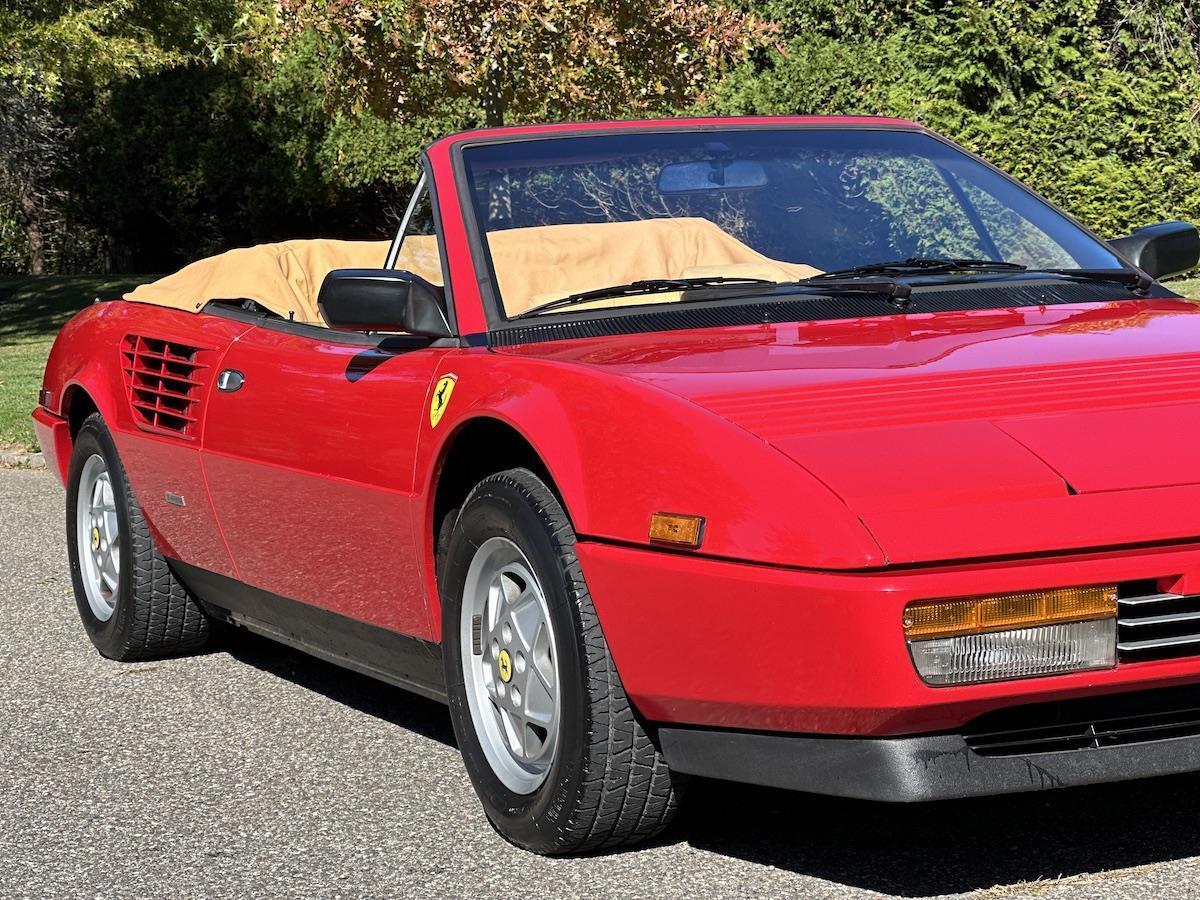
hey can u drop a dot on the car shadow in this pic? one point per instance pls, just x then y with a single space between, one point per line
952 846
900 849
397 706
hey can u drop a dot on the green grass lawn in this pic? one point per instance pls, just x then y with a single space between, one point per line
1189 287
31 312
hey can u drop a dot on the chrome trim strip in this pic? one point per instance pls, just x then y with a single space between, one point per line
1159 642
1160 620
1149 598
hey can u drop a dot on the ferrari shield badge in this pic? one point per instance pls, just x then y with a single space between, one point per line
441 398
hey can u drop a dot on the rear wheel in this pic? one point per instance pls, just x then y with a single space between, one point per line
556 752
131 605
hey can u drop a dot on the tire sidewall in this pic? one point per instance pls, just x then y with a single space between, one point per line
498 509
93 438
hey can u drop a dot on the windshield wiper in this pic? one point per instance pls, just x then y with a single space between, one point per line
934 265
638 288
882 277
867 278
922 264
1130 277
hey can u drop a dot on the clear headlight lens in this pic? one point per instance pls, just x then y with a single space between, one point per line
1023 635
1019 653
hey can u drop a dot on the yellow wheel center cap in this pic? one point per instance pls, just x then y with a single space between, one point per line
504 664
95 538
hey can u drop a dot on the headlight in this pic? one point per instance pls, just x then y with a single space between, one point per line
1013 635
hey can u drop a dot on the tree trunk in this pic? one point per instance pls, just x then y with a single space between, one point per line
30 216
493 103
493 93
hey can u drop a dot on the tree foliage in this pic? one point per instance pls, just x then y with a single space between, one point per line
393 75
58 58
138 134
1093 102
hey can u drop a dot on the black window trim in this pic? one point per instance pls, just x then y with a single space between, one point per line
427 181
493 308
229 309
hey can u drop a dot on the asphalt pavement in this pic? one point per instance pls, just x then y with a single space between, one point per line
254 771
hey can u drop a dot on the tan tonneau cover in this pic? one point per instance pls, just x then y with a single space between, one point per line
284 277
539 264
533 265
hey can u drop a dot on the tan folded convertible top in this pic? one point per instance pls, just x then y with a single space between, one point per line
283 278
533 265
545 262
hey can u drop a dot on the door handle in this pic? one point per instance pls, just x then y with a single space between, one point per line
230 380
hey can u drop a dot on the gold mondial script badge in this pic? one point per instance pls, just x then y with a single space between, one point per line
441 398
504 664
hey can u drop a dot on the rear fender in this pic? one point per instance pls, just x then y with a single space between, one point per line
87 357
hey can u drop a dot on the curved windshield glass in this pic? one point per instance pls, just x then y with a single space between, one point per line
653 214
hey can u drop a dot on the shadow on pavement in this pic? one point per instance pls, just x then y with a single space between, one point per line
427 718
906 850
948 847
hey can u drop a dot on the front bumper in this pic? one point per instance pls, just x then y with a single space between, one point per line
727 645
910 769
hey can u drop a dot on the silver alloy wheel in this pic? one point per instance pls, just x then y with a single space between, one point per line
98 537
510 665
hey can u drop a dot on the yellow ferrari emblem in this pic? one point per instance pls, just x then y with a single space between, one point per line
441 398
95 538
504 664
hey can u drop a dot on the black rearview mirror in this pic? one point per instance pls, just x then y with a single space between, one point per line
382 300
1168 248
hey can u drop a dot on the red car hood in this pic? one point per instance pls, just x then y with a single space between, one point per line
961 435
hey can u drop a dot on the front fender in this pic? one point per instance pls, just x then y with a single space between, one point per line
620 450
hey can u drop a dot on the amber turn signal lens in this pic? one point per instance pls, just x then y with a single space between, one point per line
974 615
672 528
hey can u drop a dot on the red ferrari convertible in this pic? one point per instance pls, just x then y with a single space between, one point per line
809 452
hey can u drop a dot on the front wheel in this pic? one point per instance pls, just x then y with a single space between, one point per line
557 754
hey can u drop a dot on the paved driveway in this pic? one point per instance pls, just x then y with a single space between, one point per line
255 771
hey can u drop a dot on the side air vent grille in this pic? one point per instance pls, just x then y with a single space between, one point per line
1152 625
164 380
1087 723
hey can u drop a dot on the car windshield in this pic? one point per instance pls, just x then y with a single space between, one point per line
653 215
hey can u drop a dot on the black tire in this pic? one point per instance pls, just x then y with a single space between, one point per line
153 616
608 785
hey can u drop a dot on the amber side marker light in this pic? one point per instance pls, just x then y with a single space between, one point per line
1020 635
676 529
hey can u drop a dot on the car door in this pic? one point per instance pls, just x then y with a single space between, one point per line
310 466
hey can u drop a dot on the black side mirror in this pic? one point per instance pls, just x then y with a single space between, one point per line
1168 248
382 300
